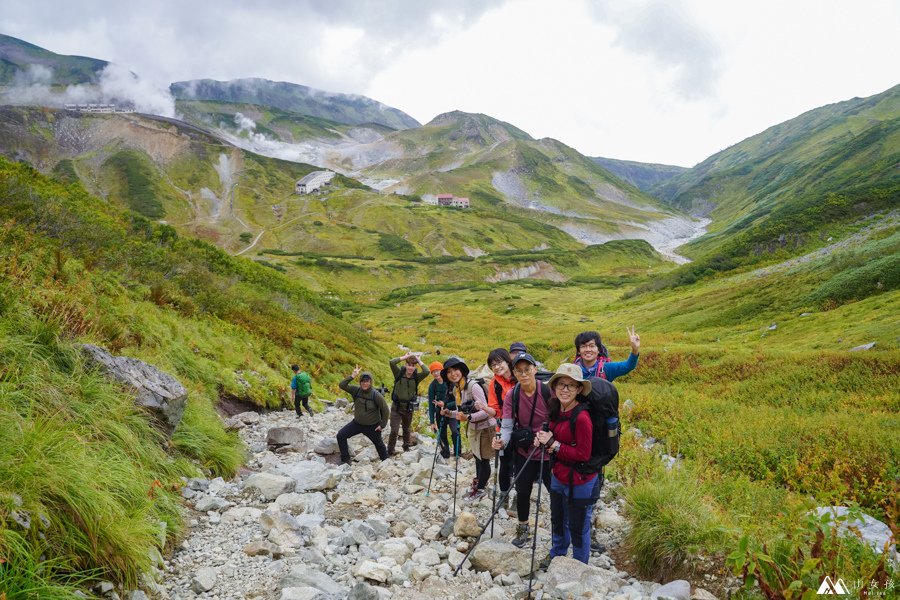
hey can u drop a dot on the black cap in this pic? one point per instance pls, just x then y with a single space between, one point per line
527 358
517 347
456 363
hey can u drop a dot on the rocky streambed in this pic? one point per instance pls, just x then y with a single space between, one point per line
295 525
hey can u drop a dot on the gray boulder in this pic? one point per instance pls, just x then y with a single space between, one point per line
674 590
277 437
568 575
158 392
363 591
871 531
500 557
269 485
312 503
204 580
302 593
307 576
311 475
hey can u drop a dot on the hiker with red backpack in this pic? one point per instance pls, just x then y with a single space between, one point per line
573 492
472 406
593 358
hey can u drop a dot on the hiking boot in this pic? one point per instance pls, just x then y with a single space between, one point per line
545 563
523 534
478 495
473 489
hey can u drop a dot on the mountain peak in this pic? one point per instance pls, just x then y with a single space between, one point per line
477 127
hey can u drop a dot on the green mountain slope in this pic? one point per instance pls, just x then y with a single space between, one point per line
343 108
644 176
843 148
75 268
16 55
490 162
170 171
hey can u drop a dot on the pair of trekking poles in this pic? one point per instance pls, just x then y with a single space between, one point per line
494 502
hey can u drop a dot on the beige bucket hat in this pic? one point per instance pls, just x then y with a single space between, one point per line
574 372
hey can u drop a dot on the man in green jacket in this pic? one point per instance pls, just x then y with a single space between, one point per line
301 386
370 415
406 389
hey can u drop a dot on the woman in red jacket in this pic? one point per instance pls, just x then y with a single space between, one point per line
572 494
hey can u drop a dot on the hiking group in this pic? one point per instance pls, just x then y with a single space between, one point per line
556 429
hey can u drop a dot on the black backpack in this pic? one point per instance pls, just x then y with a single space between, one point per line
602 405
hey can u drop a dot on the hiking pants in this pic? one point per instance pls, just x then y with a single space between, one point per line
570 518
453 426
506 465
525 482
482 471
400 417
304 401
352 429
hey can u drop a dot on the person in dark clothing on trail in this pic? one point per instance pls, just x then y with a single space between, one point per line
370 415
437 399
406 388
301 387
532 411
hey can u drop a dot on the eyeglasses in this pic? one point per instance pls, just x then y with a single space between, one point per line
568 387
591 346
497 365
526 371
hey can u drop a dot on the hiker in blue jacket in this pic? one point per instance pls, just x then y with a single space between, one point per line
593 358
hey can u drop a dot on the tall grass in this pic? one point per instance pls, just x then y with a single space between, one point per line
80 459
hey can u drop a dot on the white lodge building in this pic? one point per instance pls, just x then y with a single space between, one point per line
314 182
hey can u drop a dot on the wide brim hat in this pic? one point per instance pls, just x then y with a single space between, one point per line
455 362
573 372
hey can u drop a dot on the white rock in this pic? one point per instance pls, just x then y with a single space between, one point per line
674 590
303 593
608 519
373 571
426 556
269 485
302 503
204 580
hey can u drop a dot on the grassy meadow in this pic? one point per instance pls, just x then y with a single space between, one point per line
749 377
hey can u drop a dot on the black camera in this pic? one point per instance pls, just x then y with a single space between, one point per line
467 407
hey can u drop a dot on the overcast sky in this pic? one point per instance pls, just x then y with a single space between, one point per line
649 80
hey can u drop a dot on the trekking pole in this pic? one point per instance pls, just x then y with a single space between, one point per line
496 472
490 522
455 475
537 510
437 444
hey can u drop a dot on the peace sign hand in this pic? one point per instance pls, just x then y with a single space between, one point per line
356 371
635 340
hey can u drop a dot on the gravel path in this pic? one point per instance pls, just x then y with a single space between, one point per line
294 525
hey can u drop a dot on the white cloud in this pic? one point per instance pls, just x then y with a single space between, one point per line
659 81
